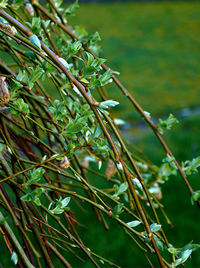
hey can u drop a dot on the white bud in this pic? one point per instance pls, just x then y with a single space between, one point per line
119 166
107 104
64 62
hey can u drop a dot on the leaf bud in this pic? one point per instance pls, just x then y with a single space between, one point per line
64 163
29 9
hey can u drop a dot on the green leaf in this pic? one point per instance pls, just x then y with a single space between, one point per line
97 131
80 32
72 8
105 78
60 205
90 58
4 3
65 201
35 25
195 196
190 167
118 209
147 114
35 41
33 196
159 243
191 246
22 76
17 4
37 201
21 106
168 168
167 124
107 104
155 227
58 3
174 251
122 188
73 48
16 85
93 39
14 258
184 256
35 175
133 224
27 197
73 128
2 146
35 75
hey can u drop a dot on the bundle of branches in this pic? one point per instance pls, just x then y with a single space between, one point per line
67 153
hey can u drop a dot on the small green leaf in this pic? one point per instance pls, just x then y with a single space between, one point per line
21 106
167 124
16 85
118 209
174 250
72 8
14 258
195 196
65 201
191 246
133 224
121 189
60 205
184 256
35 41
155 227
190 167
35 75
27 197
35 175
107 104
37 201
93 39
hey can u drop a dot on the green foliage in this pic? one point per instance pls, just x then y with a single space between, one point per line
60 205
35 41
120 189
59 111
75 129
72 8
167 124
168 168
133 224
34 176
184 253
190 167
195 196
4 3
118 209
21 106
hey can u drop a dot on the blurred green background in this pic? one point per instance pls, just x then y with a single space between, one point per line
155 47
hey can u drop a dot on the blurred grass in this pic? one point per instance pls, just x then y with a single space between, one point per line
155 47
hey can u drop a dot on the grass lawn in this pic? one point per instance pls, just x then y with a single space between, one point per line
155 47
